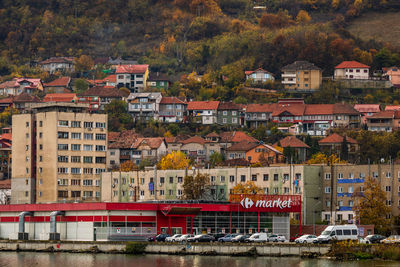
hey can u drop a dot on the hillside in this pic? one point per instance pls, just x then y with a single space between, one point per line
381 27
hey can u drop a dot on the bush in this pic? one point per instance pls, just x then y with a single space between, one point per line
135 248
391 253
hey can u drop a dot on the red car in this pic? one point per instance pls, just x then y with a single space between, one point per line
292 238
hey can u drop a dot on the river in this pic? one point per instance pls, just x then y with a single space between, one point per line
116 260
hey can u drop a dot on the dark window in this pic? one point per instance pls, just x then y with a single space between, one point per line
339 232
266 177
354 232
62 193
347 232
276 177
171 180
254 177
243 178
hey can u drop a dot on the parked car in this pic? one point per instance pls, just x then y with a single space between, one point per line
201 238
240 238
362 240
172 238
218 235
338 232
276 238
371 239
258 237
158 238
183 238
306 239
227 238
391 239
293 238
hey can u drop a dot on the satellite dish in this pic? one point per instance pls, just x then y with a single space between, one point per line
382 160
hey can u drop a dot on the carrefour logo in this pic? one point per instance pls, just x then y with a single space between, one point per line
247 203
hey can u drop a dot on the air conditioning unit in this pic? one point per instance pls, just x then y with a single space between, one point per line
159 184
113 185
89 129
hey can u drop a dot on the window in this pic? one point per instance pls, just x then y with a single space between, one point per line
224 120
340 189
298 176
222 179
170 192
231 178
180 180
285 176
76 170
87 182
327 203
87 170
101 160
62 135
276 177
87 159
100 148
254 177
100 125
87 147
351 175
41 147
162 180
27 135
40 123
224 112
243 178
162 192
100 136
87 194
75 147
27 124
388 175
62 170
350 203
375 174
63 123
27 170
75 159
276 190
62 158
75 193
286 190
388 203
88 136
388 188
99 170
327 176
350 189
75 135
75 182
62 193
75 124
88 124
340 203
265 177
340 175
179 192
171 180
40 135
327 189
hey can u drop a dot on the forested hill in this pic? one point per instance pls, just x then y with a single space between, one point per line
212 36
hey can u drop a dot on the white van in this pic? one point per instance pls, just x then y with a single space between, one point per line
258 237
338 232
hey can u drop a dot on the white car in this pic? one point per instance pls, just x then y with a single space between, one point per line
258 237
183 238
276 238
306 239
172 238
391 239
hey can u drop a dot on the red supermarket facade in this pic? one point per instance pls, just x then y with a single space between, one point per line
120 221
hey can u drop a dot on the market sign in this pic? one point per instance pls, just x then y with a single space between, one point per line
267 203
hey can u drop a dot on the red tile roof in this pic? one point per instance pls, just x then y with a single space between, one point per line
295 109
366 108
135 69
236 137
63 81
243 146
267 108
103 91
5 184
291 141
7 136
172 100
8 84
58 60
123 140
60 97
203 105
248 72
319 109
213 134
7 100
392 107
351 65
335 139
25 97
195 139
228 106
111 78
152 142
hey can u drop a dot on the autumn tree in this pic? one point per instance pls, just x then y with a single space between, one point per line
6 116
128 166
370 206
321 158
216 158
303 17
247 188
196 187
84 63
176 160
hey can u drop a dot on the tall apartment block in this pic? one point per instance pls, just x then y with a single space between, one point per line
60 152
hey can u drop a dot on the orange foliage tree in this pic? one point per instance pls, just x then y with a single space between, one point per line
247 188
127 166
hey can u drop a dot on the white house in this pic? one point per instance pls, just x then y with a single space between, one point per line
351 70
259 75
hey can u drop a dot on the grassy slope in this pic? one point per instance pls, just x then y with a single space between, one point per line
383 27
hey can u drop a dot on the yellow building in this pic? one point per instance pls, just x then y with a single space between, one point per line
301 76
60 152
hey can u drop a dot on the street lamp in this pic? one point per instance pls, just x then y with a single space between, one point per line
313 213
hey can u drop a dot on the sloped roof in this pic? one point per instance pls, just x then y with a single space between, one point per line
123 140
228 106
351 65
295 109
213 134
60 97
5 184
335 138
63 81
176 139
58 60
25 97
103 91
203 105
152 142
7 100
268 108
236 137
243 146
8 84
158 76
248 72
300 65
344 108
172 100
366 108
111 78
318 109
392 107
135 69
194 139
292 141
384 114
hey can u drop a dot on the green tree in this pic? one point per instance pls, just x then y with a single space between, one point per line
118 117
216 158
344 154
81 86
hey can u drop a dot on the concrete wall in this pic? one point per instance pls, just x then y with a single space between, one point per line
365 84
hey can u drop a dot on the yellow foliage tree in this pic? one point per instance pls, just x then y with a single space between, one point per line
303 17
247 188
168 134
321 158
127 166
176 160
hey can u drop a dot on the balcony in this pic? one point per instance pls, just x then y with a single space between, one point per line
288 82
289 75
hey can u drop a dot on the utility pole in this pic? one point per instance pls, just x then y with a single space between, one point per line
332 183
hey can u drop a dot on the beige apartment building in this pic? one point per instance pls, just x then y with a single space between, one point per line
341 181
60 153
153 184
301 76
